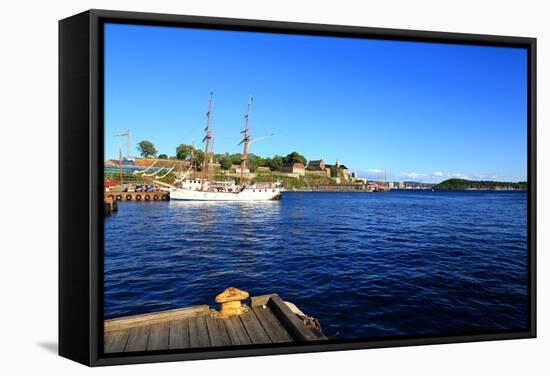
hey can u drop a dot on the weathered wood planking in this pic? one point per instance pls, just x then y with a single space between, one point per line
254 328
260 300
269 320
179 334
198 332
154 318
159 336
217 332
236 331
291 322
139 336
276 332
116 341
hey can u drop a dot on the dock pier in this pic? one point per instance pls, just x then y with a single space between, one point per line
109 206
340 188
138 196
268 319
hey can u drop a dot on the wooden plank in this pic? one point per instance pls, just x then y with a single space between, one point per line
137 341
198 332
128 322
179 334
259 300
236 331
290 321
158 339
116 341
272 326
254 328
217 332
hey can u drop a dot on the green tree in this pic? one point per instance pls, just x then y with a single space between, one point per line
261 161
163 156
184 151
236 158
146 149
225 162
252 162
460 184
199 157
265 162
295 157
276 163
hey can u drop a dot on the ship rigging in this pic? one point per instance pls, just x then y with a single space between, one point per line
204 189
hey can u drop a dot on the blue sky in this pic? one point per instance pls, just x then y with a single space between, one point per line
421 111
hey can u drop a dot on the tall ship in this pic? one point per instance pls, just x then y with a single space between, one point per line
193 187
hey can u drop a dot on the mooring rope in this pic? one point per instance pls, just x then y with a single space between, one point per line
147 169
156 172
185 175
169 171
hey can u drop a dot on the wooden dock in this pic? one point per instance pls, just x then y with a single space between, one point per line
351 187
268 320
138 196
109 206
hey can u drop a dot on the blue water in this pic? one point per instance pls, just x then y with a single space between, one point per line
366 265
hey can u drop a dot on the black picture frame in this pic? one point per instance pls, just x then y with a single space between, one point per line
81 160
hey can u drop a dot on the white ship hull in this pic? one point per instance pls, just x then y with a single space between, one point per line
247 194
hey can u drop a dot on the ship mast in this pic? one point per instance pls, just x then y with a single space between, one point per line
206 140
127 142
120 162
246 139
193 161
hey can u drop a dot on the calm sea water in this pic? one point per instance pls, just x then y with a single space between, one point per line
366 265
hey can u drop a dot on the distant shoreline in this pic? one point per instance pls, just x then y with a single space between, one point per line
406 190
480 185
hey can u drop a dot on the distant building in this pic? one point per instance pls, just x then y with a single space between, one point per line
263 169
318 168
237 169
295 168
245 171
353 175
342 170
316 165
111 163
417 185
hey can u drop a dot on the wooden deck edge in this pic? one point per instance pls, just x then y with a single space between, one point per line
292 323
128 322
260 300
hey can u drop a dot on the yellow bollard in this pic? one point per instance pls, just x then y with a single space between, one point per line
230 300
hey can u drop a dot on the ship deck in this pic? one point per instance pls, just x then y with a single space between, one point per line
269 320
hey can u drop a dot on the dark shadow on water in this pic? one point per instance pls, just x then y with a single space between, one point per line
49 346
